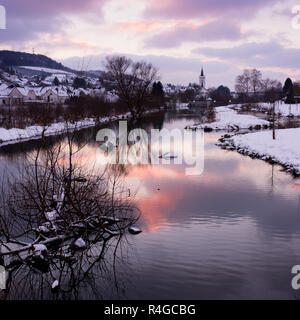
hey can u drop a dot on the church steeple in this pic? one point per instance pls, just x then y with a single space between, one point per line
202 79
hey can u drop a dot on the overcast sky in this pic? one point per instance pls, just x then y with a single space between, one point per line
179 37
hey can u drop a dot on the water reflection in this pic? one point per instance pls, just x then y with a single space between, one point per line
91 274
231 233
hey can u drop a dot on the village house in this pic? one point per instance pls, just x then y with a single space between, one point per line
56 95
11 95
4 92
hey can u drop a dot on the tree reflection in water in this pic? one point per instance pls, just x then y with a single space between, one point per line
63 226
82 273
89 274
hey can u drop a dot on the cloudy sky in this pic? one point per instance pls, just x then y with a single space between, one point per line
179 37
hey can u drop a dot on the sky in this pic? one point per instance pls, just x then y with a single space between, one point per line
178 37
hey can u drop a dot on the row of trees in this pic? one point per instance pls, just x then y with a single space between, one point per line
138 88
251 86
78 108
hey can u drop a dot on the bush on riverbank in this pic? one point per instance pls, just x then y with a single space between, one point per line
78 108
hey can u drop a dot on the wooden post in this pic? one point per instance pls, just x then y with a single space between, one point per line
274 135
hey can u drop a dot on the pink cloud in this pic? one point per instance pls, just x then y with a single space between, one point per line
65 42
140 26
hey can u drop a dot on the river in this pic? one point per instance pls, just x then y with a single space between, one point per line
232 232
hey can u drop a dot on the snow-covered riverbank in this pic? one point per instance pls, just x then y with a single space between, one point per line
285 150
15 135
282 108
229 119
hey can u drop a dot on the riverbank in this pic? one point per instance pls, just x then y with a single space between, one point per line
36 132
285 150
15 135
254 222
226 118
281 109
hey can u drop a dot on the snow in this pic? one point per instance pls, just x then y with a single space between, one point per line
39 250
227 118
51 216
282 108
60 198
182 106
11 136
134 230
43 229
40 247
8 136
48 70
55 284
110 219
284 150
8 247
36 131
80 243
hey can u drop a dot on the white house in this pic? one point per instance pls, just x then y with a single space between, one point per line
4 92
56 95
10 95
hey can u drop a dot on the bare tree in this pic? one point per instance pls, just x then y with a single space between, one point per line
255 80
266 84
132 81
251 81
243 83
271 88
55 206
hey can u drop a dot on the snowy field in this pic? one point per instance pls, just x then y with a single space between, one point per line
285 150
48 70
283 109
229 119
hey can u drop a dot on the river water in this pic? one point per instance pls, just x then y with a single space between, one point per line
232 232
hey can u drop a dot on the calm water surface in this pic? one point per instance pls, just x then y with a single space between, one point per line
231 233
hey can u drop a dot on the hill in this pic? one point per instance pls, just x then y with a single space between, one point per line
10 59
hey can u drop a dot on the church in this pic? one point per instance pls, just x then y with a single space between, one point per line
201 99
202 81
